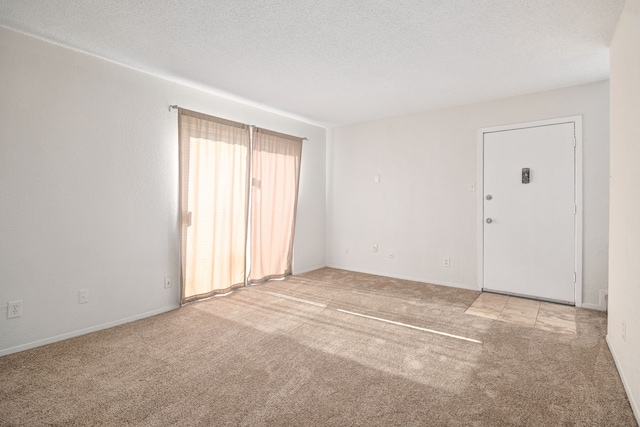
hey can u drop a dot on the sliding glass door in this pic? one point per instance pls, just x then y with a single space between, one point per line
219 160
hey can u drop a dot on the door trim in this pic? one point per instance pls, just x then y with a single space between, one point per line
577 122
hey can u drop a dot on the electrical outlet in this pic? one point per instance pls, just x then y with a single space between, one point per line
346 251
167 282
375 247
446 262
624 330
83 296
14 309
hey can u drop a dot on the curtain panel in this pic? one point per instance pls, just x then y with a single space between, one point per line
214 200
275 173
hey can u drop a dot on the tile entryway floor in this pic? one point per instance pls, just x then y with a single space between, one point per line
536 314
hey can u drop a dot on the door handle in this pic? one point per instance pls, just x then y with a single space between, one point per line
489 220
187 218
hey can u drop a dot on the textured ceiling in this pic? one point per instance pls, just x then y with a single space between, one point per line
336 62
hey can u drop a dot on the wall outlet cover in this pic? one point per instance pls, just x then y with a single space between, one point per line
14 309
83 296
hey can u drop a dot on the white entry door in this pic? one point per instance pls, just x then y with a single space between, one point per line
529 211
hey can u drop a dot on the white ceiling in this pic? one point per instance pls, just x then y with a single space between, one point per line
334 62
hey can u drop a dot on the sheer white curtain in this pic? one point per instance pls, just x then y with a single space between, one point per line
275 172
214 195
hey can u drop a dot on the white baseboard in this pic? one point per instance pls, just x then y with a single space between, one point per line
403 277
602 303
604 299
632 401
50 340
306 270
592 306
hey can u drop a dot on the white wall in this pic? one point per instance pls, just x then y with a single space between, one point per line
624 232
422 210
89 189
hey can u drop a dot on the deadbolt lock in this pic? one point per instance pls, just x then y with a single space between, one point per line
489 197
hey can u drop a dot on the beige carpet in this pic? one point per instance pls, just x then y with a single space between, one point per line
329 347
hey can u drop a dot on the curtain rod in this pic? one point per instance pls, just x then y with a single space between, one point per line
175 107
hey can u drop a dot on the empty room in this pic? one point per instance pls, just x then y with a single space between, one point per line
372 213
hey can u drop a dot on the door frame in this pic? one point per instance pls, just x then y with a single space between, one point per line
577 122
